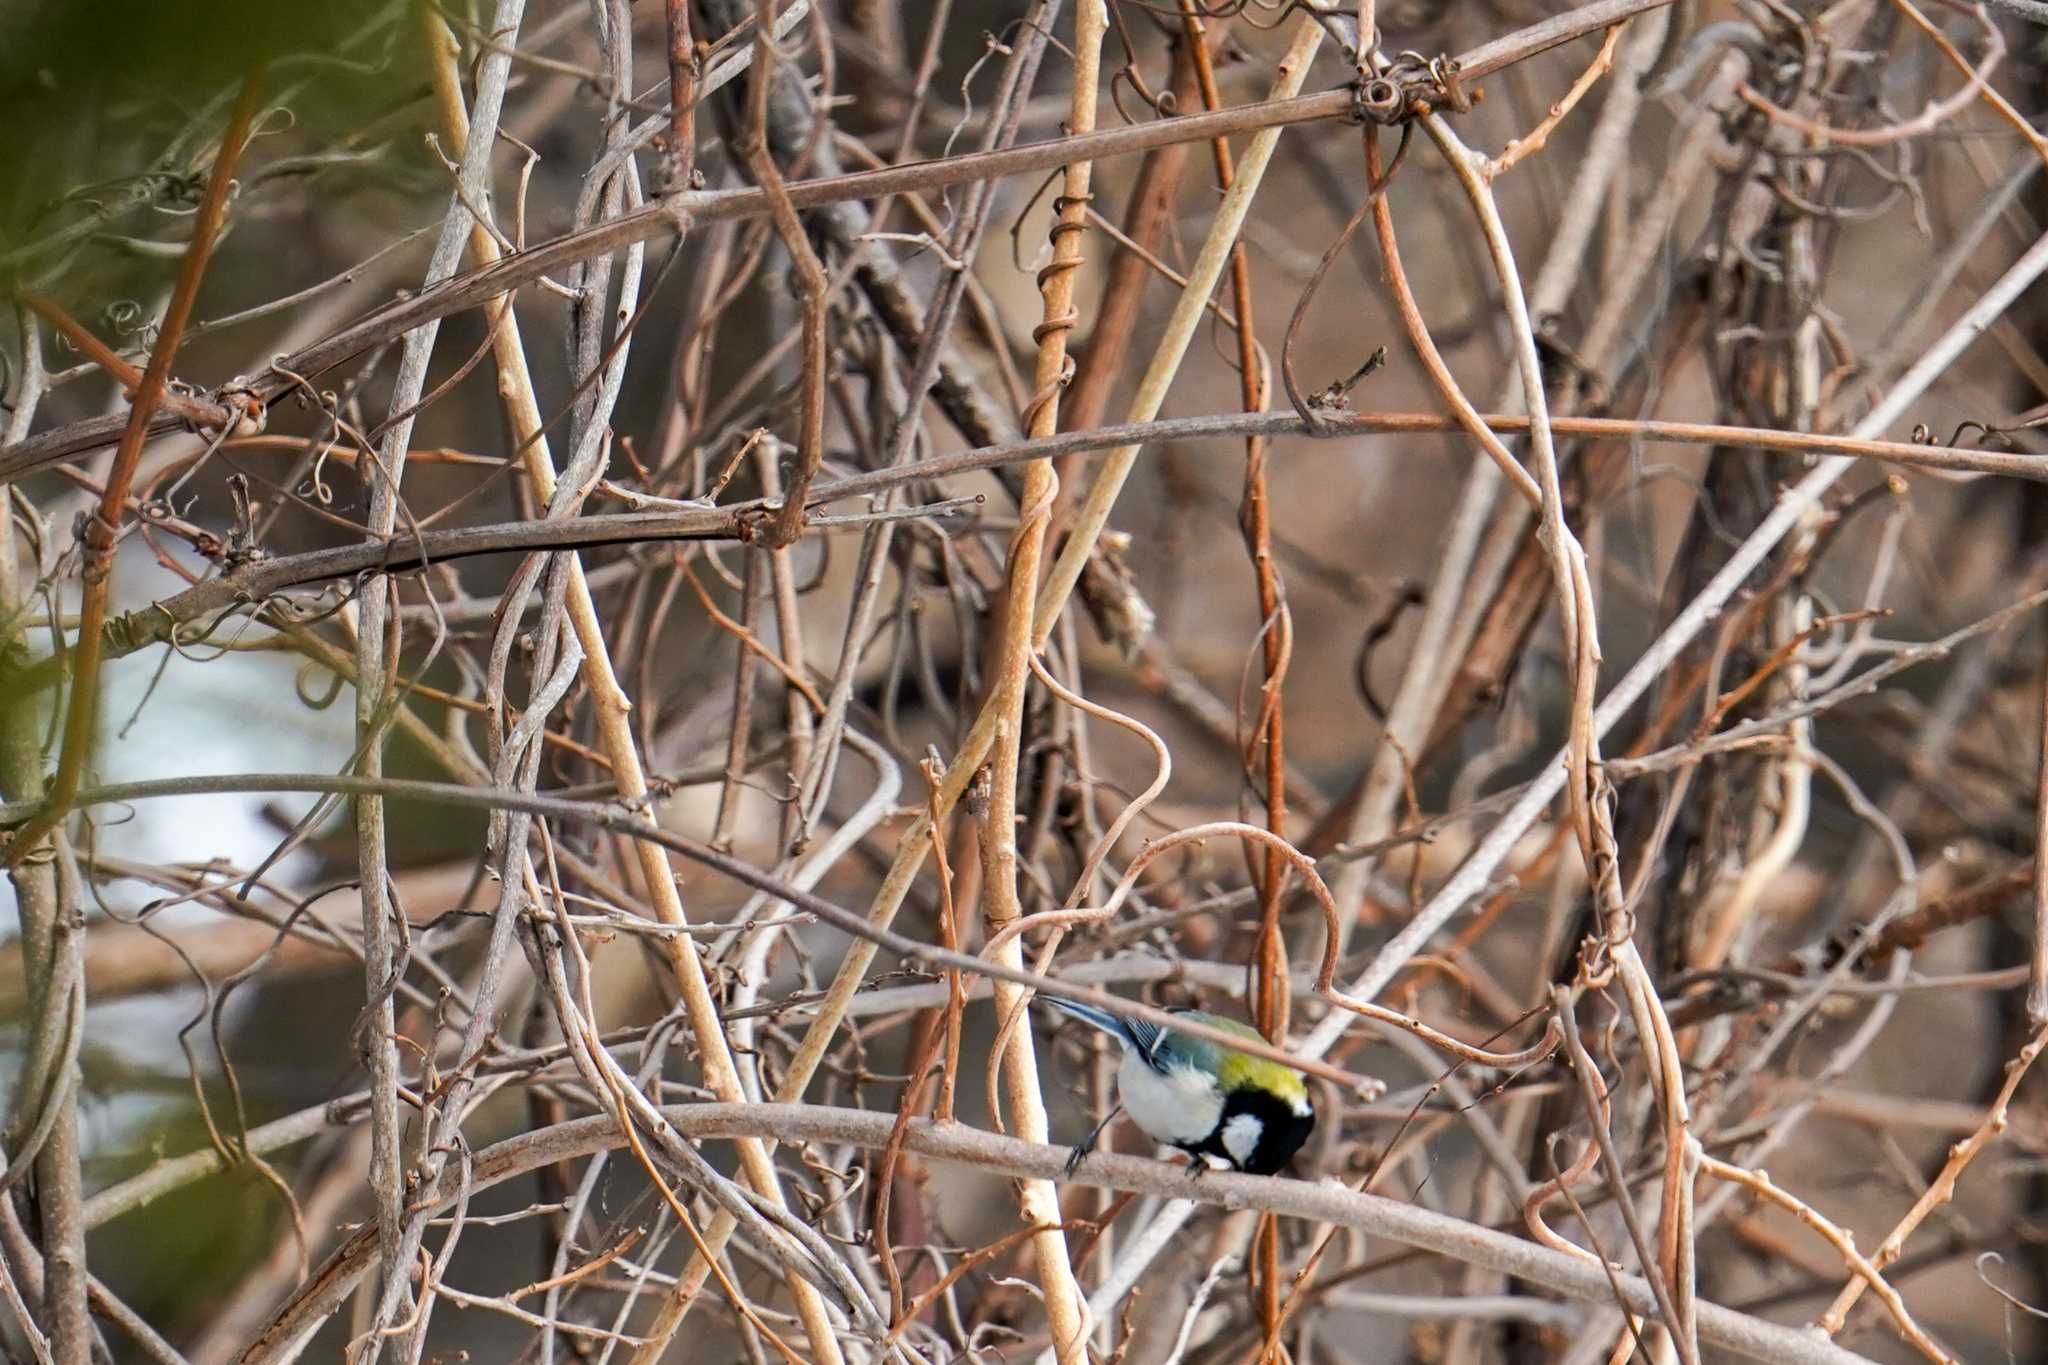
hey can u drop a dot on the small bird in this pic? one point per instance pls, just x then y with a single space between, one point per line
1219 1105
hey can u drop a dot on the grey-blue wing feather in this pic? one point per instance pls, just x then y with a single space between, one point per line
1139 1034
1145 1036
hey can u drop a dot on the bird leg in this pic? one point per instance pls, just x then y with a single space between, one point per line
1087 1144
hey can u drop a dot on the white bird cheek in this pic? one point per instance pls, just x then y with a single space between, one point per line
1241 1137
1180 1106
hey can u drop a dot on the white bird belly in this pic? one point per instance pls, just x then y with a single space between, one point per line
1179 1106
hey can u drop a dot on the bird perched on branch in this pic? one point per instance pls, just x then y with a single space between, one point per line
1221 1106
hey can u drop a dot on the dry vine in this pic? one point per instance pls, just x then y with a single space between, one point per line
759 471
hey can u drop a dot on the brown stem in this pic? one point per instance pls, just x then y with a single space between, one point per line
1269 979
1149 210
2037 972
682 96
810 272
471 290
1016 1059
196 411
102 531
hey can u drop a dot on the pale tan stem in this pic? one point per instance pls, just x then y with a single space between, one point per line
1052 599
1469 571
789 643
1868 1272
1939 1191
1017 1060
974 747
1591 799
612 710
1178 332
1728 914
1535 139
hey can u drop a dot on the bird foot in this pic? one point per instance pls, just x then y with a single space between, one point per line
1086 1145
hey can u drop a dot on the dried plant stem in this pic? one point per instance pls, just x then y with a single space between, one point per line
681 159
1178 331
1255 518
1187 429
1597 1102
810 274
377 649
1477 870
1939 1191
800 699
1017 1060
102 531
44 1129
1591 797
2037 967
1407 1224
1869 1274
1153 194
1414 705
46 1092
1536 138
1269 1002
612 711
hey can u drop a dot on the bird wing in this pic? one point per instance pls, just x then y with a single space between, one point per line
1146 1037
1236 1070
1140 1035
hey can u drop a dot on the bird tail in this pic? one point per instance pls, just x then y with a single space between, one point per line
1116 1026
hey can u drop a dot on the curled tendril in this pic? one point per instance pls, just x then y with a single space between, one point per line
1411 85
1923 435
125 316
302 681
